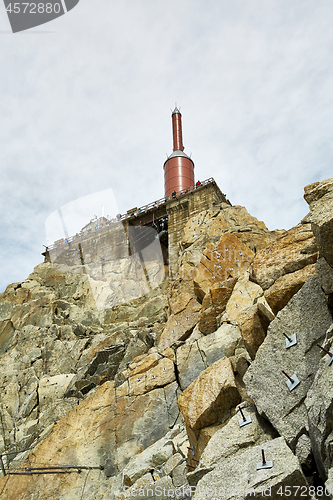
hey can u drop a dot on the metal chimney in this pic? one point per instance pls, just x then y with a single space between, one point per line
177 130
178 168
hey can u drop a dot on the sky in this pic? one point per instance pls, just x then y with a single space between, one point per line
86 100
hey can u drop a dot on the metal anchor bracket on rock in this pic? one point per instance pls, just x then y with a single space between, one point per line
292 382
290 340
264 464
244 420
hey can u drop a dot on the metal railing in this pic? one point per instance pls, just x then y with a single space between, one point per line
139 211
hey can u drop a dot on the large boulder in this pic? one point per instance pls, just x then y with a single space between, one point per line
210 398
308 316
228 260
151 458
319 404
106 429
157 376
194 358
238 477
180 325
317 190
279 294
253 323
319 196
214 304
245 294
232 439
290 252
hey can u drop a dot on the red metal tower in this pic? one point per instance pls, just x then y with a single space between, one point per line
178 168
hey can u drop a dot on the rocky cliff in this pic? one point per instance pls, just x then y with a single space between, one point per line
181 392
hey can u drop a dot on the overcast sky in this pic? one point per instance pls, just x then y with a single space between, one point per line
85 105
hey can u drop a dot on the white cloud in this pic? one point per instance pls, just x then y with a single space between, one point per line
88 107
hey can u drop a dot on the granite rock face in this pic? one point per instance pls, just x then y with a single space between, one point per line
319 405
319 196
232 439
180 325
50 362
238 477
209 225
194 358
150 389
315 191
244 295
279 294
325 275
253 322
290 252
308 316
210 397
214 304
203 232
227 261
